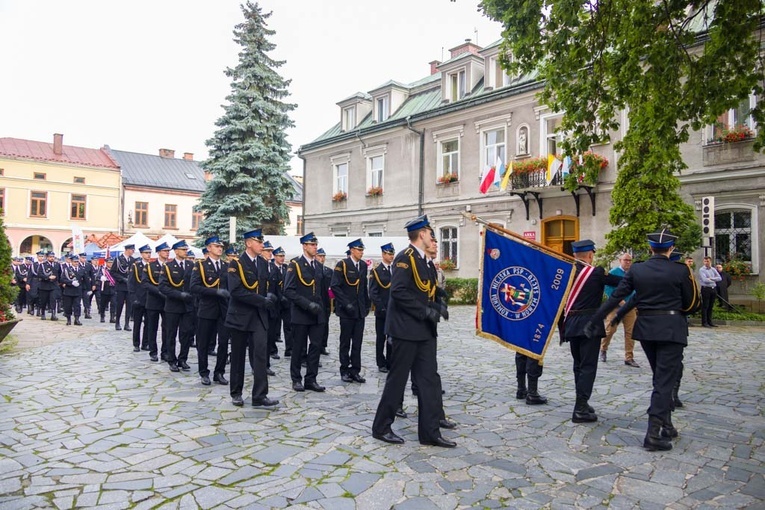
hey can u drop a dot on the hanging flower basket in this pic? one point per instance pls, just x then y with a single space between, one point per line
340 196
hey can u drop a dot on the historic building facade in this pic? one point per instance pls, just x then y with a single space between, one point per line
404 149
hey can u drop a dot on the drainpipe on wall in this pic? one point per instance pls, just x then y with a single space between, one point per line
421 190
301 232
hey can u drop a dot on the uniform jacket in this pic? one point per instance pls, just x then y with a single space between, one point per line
349 286
379 288
174 280
274 287
20 274
88 275
248 286
136 289
155 300
69 275
304 285
587 303
105 286
660 285
205 283
412 290
120 271
48 269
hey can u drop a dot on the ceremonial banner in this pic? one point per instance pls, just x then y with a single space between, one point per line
523 289
78 240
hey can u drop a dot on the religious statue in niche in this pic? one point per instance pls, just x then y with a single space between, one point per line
523 141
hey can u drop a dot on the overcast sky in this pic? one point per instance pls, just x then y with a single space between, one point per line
148 74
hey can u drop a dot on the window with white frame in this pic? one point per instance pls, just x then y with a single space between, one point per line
382 108
340 177
448 244
449 160
349 118
736 234
497 76
493 141
737 120
457 85
375 167
550 136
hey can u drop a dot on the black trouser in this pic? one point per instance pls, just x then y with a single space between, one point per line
86 300
585 353
139 314
301 335
708 295
150 330
21 298
222 356
207 330
525 366
47 300
103 304
286 316
351 333
420 359
257 342
274 328
665 359
380 343
181 325
121 300
325 333
72 305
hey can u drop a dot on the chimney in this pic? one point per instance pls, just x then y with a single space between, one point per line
434 66
58 144
188 156
466 47
166 153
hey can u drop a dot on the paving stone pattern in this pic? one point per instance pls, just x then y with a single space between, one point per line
85 422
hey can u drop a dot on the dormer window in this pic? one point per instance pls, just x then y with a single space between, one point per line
382 108
457 85
497 76
349 118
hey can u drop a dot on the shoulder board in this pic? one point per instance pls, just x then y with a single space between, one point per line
195 268
232 270
409 251
402 265
290 269
338 268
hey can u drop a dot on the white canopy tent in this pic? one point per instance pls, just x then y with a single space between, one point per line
335 247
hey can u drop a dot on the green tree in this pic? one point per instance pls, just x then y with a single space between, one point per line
7 291
673 65
249 152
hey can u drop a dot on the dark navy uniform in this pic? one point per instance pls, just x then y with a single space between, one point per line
284 306
105 284
88 271
21 275
350 287
120 271
175 284
665 292
48 277
379 293
71 280
209 282
329 301
274 316
154 307
137 298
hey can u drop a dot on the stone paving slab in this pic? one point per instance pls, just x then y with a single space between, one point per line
85 422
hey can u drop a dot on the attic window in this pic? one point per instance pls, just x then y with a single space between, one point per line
383 108
39 176
190 176
79 180
349 118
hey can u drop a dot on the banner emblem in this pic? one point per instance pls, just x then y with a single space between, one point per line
515 293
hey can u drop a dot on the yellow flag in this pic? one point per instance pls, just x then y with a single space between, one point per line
506 179
550 163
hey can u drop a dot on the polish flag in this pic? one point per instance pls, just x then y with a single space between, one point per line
487 179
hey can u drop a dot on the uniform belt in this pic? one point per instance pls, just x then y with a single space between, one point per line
584 311
658 312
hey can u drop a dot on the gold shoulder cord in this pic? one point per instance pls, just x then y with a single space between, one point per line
374 272
135 271
216 283
151 278
695 292
244 280
345 275
426 287
300 277
170 278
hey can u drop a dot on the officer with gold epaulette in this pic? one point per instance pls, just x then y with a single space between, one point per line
303 288
349 285
155 304
137 296
379 293
175 285
209 282
328 298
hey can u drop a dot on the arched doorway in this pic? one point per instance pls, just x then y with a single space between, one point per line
66 247
33 244
559 232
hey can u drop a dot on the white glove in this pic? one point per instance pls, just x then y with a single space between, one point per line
103 278
75 283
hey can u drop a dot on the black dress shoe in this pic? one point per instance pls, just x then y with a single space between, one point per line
346 378
401 413
220 379
183 365
174 368
206 380
153 358
136 349
579 417
384 370
447 424
440 441
298 386
237 401
126 328
163 357
324 352
389 437
77 322
275 356
314 386
713 325
287 354
102 319
265 402
144 347
270 372
357 378
212 353
631 363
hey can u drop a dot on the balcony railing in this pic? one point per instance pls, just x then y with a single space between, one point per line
534 179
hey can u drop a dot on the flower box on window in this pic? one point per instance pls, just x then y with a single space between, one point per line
375 191
448 178
447 265
340 196
738 133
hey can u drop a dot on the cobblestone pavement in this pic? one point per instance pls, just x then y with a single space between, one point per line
85 422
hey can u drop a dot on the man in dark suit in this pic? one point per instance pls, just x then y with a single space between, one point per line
284 304
155 303
20 278
247 319
120 272
303 286
379 292
665 292
106 286
87 285
274 317
48 276
349 285
175 285
71 279
209 281
327 297
412 322
137 296
584 299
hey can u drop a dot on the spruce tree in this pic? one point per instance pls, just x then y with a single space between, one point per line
7 291
249 152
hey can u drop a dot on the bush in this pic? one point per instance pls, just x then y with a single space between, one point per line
462 291
7 291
